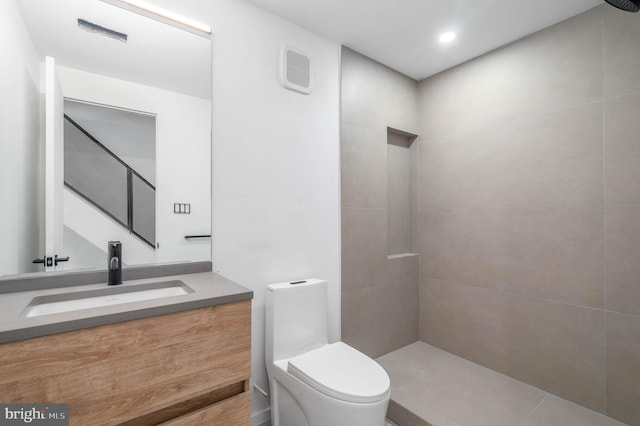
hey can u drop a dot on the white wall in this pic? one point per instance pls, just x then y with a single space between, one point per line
19 145
276 177
276 182
183 149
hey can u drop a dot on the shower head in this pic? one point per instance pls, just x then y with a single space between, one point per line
626 5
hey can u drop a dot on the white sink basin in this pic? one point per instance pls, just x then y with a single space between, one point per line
108 296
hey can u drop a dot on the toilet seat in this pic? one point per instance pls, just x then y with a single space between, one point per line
342 372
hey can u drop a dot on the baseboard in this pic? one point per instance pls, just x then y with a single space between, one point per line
261 417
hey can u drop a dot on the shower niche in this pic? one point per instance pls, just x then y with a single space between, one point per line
402 178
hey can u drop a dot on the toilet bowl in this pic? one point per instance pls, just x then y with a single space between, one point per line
314 382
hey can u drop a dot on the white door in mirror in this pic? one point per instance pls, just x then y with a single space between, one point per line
54 163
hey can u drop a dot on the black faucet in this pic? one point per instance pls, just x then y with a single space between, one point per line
114 249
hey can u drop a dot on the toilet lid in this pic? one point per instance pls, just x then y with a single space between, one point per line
340 371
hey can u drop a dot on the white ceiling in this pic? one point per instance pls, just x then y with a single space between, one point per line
403 34
156 54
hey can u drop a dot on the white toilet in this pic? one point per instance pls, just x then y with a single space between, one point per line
313 382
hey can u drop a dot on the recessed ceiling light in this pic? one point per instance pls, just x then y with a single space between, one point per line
447 37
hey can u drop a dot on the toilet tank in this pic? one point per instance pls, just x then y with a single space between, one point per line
296 318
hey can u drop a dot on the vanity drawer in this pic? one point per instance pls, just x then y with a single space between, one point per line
235 411
140 372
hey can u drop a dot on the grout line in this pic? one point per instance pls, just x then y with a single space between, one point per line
442 363
522 206
363 208
622 313
527 206
418 227
604 240
621 203
530 296
448 360
524 295
534 409
622 95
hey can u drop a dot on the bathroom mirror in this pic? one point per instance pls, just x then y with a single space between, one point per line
72 58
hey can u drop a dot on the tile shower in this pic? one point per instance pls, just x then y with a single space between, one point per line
524 221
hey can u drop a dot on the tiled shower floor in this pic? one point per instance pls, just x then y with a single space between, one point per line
432 387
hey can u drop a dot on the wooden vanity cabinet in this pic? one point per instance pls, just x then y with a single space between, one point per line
185 368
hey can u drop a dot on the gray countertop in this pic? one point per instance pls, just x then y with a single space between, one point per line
209 289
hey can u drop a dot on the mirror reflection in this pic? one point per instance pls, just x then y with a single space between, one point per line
116 147
106 135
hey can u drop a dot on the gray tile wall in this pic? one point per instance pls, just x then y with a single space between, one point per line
529 211
379 295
